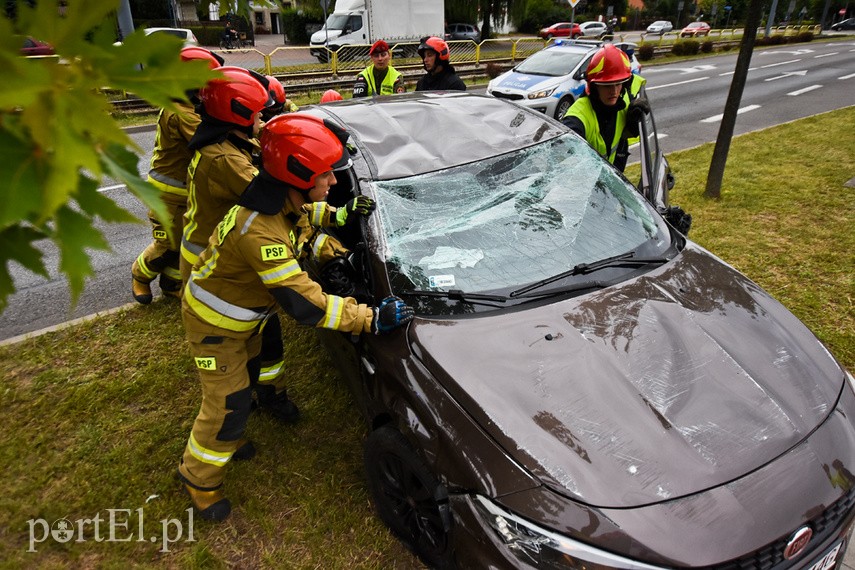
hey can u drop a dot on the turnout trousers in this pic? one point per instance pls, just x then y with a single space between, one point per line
162 255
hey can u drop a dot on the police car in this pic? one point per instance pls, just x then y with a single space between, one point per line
551 79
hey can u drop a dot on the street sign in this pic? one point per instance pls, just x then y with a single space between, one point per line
727 8
610 11
325 5
573 2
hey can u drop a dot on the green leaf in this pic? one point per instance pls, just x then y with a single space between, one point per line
16 245
162 76
121 164
96 204
75 233
22 173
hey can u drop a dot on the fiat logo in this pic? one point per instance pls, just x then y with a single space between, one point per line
798 542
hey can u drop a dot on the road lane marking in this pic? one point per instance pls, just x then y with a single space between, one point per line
787 74
651 88
114 187
805 90
781 63
739 112
850 76
732 72
826 54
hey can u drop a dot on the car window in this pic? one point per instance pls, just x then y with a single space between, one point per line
551 62
512 219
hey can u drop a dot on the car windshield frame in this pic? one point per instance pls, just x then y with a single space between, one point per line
498 224
552 62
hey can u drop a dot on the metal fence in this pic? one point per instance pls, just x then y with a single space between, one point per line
297 61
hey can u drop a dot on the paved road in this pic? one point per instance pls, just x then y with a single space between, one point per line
784 84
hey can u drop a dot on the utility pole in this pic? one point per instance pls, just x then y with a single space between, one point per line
126 21
771 17
731 106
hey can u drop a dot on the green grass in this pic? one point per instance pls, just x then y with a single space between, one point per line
95 416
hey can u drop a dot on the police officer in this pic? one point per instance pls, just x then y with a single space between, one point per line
168 173
608 115
379 78
251 264
440 75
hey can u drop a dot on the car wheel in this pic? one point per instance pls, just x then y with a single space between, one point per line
408 497
561 108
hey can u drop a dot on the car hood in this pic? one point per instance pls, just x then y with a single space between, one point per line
320 36
525 82
671 383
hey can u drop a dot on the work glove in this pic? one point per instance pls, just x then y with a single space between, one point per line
391 313
362 205
637 109
681 220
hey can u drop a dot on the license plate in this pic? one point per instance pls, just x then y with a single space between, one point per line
829 560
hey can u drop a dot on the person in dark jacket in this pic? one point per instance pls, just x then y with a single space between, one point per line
440 74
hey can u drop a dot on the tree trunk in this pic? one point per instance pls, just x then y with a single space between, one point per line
734 97
488 17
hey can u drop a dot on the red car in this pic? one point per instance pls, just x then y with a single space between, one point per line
695 29
32 46
561 30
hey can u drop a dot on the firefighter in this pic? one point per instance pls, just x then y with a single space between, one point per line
219 172
168 173
379 78
279 102
440 75
608 115
251 265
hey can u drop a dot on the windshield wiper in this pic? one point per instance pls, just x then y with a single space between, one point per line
455 295
623 260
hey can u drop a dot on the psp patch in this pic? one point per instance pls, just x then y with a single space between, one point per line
159 234
274 252
206 362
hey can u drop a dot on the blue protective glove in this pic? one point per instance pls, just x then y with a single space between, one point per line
362 205
391 313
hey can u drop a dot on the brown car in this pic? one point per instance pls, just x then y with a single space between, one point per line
582 386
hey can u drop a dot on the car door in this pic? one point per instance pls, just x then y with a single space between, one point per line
656 178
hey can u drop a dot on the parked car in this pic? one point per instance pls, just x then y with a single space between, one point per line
561 30
463 32
660 27
552 78
582 386
848 24
32 46
187 35
593 29
695 29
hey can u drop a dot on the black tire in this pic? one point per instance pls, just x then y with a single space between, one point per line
408 497
562 106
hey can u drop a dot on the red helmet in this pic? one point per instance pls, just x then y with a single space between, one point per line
296 148
277 91
435 44
190 53
331 95
235 99
609 65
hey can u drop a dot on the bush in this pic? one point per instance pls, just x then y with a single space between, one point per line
805 36
686 47
494 70
541 13
294 24
207 35
707 46
645 52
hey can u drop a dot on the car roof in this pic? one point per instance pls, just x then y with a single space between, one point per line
414 133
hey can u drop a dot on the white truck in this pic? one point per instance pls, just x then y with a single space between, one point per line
362 22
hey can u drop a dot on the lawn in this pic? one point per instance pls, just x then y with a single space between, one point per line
95 416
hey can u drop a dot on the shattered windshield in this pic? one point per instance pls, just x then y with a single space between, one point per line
512 219
552 62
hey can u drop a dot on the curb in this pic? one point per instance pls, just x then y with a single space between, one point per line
66 324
